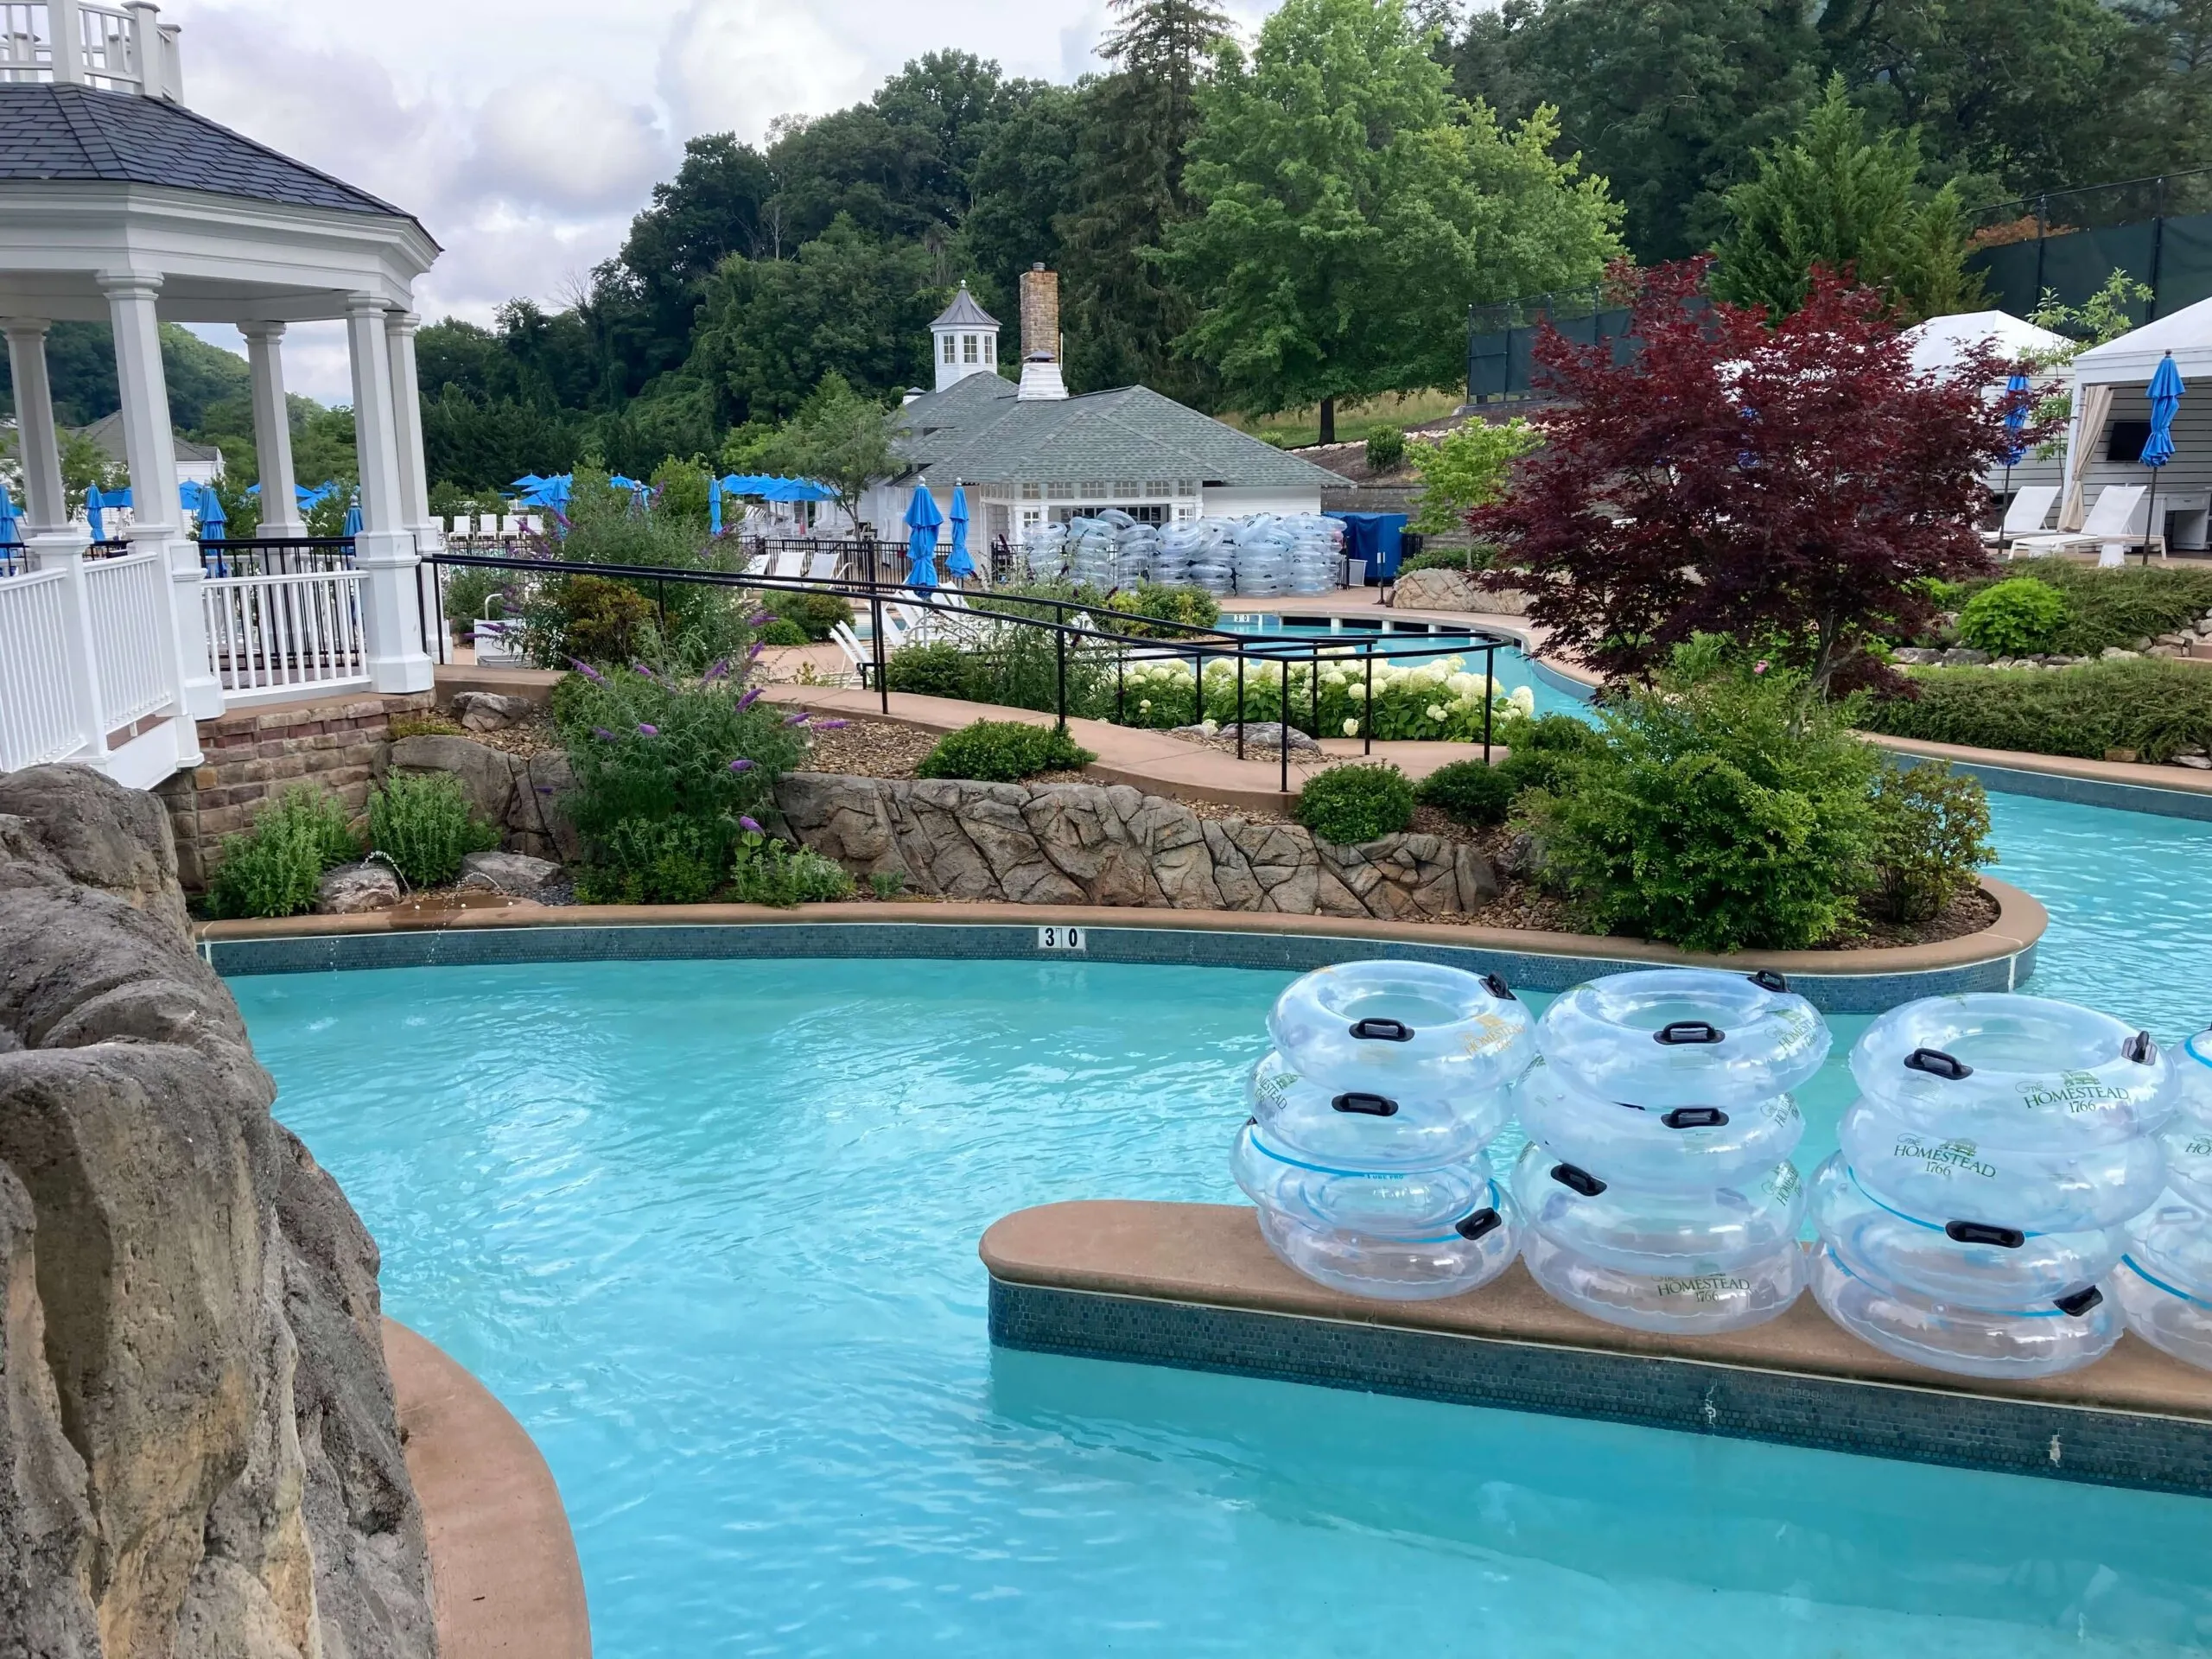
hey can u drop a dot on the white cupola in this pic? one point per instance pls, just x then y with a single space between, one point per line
964 341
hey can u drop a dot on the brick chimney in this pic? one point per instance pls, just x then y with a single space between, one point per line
1041 336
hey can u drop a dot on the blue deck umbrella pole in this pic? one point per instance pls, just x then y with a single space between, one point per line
922 521
2166 394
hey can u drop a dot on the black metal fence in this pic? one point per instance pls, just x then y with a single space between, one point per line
276 555
1073 627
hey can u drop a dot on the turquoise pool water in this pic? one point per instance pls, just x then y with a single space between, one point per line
708 1230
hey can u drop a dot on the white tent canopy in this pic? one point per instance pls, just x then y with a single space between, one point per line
1941 343
2133 357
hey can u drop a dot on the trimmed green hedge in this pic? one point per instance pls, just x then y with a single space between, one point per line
1003 752
2152 705
2109 607
1346 806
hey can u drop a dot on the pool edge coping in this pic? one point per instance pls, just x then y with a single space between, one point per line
505 1577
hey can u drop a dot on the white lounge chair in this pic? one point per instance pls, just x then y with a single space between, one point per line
790 564
757 565
526 524
823 567
2024 516
504 527
855 654
2108 528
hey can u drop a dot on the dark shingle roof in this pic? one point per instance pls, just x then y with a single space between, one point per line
77 133
977 428
965 312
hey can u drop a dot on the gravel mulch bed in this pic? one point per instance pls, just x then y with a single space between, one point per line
525 739
870 748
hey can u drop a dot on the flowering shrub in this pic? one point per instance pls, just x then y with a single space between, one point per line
1439 700
668 771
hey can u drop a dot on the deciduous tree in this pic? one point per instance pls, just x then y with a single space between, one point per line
1795 485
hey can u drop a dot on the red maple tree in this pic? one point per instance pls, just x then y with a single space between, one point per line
1793 484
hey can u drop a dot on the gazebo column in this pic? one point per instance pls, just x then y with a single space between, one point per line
384 552
149 446
414 472
46 505
272 429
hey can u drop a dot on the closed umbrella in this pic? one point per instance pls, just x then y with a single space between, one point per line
958 564
2165 392
92 505
714 507
353 514
922 520
2016 422
212 520
10 531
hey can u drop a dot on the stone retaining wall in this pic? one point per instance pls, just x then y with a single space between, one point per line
1453 590
1086 844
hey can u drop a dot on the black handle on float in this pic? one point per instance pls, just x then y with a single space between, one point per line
1382 1030
2080 1302
1981 1232
1576 1179
1767 980
1695 1117
1366 1105
1496 985
1688 1031
1937 1063
1485 1220
2140 1049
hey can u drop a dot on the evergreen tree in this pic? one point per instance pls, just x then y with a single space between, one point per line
1833 198
1122 308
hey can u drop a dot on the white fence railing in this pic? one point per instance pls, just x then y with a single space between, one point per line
275 637
117 49
131 637
38 716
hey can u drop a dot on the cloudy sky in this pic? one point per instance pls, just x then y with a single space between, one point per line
525 136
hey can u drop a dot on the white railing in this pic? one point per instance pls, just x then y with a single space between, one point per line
117 49
275 637
39 715
130 637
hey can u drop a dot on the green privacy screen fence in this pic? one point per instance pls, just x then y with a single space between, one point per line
2158 231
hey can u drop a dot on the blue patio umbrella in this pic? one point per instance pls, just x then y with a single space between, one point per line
93 503
958 564
10 531
714 507
2016 422
922 520
212 520
354 515
2165 392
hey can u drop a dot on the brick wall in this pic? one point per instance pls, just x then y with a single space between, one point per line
252 754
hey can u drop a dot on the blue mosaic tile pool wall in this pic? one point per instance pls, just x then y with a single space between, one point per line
1192 947
2091 791
2111 1448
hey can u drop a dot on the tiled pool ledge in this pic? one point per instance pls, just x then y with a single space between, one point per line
1837 981
2124 786
1194 1287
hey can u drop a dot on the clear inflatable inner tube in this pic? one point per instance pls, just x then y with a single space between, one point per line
1959 1179
1970 1342
1667 1036
1682 1148
1748 1293
1444 1263
1393 1203
1415 1129
2173 1240
2005 1070
2163 1284
1962 1263
1638 1230
1402 1027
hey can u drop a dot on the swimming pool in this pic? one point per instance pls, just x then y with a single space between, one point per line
708 1229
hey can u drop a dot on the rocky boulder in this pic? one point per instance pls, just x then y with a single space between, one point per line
351 889
1093 844
490 711
198 1460
522 797
1454 590
517 874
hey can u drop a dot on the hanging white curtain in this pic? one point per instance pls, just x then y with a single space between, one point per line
2094 404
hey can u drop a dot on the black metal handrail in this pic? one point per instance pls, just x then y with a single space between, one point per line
1204 646
275 556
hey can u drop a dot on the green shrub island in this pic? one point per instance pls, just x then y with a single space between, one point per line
1345 805
275 867
1003 752
1439 700
2152 706
1931 832
423 822
1471 560
2104 608
2019 617
785 632
670 770
1386 448
813 614
1472 791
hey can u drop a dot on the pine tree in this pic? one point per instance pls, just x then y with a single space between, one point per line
1122 306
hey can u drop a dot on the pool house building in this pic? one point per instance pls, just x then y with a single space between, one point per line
119 205
1029 454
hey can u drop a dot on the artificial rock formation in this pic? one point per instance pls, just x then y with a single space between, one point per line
1089 844
1454 590
198 1456
521 797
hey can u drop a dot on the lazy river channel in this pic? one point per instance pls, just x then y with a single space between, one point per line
708 1230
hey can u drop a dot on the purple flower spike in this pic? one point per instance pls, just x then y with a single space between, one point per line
747 824
586 670
740 766
798 719
759 619
749 698
755 652
716 672
639 668
602 733
646 730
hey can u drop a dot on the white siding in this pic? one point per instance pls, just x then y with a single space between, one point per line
1223 502
2185 481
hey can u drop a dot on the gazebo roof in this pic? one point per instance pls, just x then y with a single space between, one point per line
965 312
76 134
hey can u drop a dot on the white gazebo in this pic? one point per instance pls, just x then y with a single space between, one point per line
1942 344
2112 415
119 205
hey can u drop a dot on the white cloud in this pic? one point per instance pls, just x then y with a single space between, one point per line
735 64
